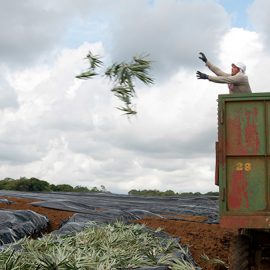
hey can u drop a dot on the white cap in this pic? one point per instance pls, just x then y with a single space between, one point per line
241 65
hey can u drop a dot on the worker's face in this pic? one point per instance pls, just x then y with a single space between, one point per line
235 69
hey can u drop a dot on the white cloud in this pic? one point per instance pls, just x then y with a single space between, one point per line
31 30
166 31
65 130
69 131
240 45
259 15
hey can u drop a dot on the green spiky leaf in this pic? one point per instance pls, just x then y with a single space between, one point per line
123 75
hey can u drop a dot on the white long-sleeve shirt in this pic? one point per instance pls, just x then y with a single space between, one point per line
237 83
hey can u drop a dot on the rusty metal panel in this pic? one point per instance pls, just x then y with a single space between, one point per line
243 157
245 128
246 184
244 221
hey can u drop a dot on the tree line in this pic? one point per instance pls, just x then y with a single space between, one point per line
155 192
36 185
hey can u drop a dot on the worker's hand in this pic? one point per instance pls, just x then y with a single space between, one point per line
201 75
203 57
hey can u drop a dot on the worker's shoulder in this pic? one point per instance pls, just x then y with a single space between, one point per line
241 74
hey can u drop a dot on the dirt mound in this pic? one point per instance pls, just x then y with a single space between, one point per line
201 238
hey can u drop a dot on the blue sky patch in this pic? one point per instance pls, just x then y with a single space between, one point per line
238 11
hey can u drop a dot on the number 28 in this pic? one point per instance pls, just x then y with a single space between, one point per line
241 166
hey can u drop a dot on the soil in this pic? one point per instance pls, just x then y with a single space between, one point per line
56 217
201 238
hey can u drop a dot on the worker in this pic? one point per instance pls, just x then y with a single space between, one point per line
237 81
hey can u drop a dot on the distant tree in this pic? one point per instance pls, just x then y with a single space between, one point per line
133 192
94 189
212 193
155 192
8 179
183 194
38 185
152 192
53 187
122 75
169 193
32 184
24 184
64 188
103 189
8 184
81 189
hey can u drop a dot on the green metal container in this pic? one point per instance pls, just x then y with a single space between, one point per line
243 160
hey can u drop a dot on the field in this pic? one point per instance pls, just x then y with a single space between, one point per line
204 239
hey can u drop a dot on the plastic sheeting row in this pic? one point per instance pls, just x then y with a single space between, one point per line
18 224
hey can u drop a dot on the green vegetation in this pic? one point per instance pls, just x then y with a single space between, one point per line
122 75
155 192
106 247
36 185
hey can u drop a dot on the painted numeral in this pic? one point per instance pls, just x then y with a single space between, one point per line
240 166
247 166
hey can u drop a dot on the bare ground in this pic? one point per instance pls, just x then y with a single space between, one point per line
201 238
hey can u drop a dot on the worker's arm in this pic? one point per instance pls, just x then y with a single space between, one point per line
217 70
213 68
239 78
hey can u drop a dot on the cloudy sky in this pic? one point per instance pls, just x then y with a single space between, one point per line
64 130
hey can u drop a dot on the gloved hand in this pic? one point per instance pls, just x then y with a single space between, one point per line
201 75
203 57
